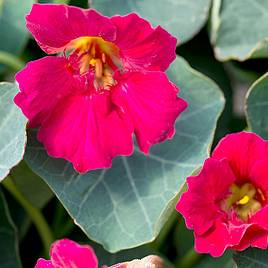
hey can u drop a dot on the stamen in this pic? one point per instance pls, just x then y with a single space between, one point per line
261 194
93 50
98 69
84 63
94 54
244 200
103 58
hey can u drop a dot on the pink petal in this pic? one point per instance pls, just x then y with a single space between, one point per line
254 237
68 254
259 176
41 263
88 131
242 150
151 103
42 84
219 238
53 26
260 219
200 205
141 46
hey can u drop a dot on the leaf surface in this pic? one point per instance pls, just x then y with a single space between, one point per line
12 129
182 18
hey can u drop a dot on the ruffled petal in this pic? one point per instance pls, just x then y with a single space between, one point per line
242 150
42 84
66 253
141 46
254 237
200 205
151 103
87 131
219 238
41 263
53 26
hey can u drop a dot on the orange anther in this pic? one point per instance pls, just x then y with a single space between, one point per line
98 69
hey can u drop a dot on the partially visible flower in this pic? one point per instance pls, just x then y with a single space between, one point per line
68 254
227 202
147 262
107 83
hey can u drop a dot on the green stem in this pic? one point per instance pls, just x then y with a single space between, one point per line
11 61
188 260
35 214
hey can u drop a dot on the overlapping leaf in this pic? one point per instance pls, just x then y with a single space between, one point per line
182 18
239 29
9 257
127 205
12 129
257 106
251 258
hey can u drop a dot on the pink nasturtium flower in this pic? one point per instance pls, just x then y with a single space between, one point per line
227 203
106 83
68 254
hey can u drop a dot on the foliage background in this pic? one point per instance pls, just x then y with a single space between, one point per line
225 44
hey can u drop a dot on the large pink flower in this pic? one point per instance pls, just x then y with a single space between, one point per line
227 203
106 83
68 254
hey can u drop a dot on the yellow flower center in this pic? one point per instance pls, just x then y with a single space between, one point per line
96 54
245 200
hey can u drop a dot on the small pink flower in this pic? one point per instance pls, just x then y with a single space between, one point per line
226 204
107 83
68 254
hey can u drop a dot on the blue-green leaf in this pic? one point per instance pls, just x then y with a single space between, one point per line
239 29
12 129
13 30
182 18
257 106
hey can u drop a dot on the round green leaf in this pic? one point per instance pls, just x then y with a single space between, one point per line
239 29
257 106
182 18
251 258
12 129
127 205
9 257
13 31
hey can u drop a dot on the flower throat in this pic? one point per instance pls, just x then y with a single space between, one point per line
246 200
94 54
